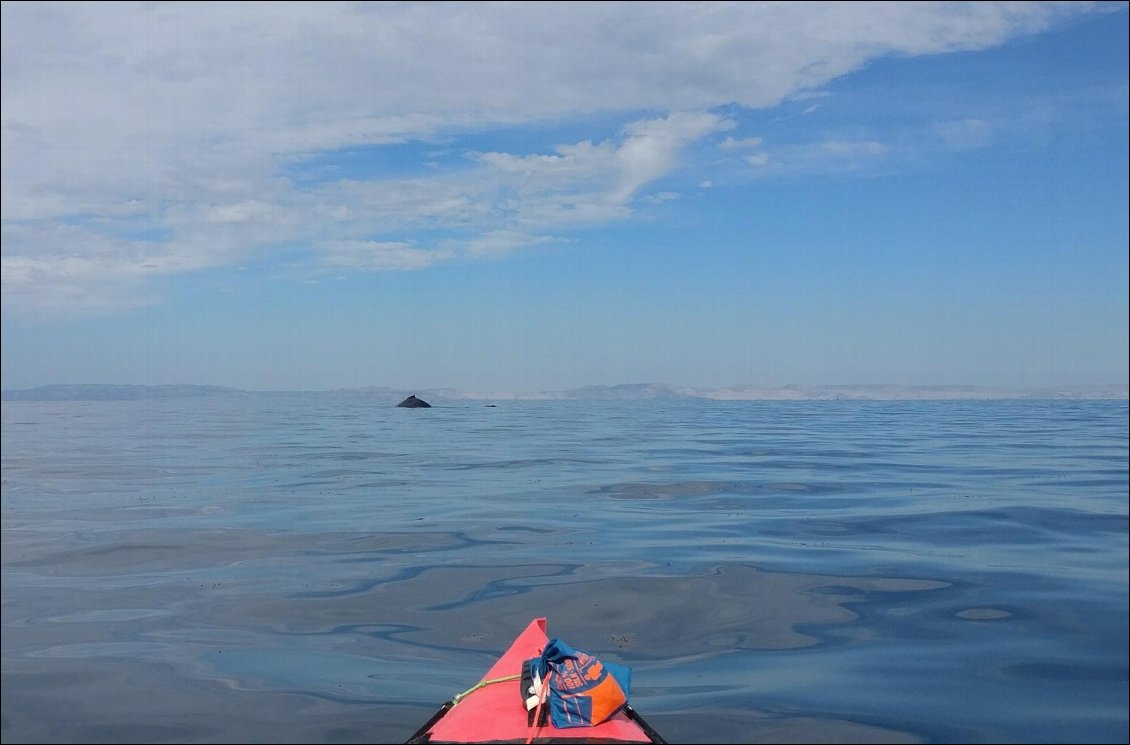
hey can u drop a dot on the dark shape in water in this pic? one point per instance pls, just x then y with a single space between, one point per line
414 403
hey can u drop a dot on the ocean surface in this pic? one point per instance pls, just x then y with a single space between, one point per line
310 568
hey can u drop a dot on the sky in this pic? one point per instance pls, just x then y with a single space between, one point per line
522 197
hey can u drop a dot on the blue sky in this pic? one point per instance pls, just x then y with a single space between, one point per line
527 197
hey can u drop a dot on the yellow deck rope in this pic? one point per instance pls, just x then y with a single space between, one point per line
483 684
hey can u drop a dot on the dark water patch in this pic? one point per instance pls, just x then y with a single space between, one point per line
743 725
323 481
364 546
336 475
983 614
678 490
124 701
1013 525
1114 480
815 463
659 491
353 456
1059 673
134 556
154 551
110 614
788 487
382 484
520 463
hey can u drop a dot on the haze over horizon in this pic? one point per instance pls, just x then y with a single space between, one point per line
545 196
622 392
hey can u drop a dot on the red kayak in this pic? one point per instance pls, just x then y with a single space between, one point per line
494 711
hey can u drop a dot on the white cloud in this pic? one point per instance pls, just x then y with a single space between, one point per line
380 255
585 183
177 118
653 147
745 143
965 134
852 149
571 166
826 155
49 269
417 202
662 196
244 211
499 242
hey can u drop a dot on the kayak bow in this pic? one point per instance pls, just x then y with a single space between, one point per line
492 711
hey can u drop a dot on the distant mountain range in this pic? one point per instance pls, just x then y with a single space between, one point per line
115 392
625 392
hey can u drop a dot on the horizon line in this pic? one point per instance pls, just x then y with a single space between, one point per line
618 391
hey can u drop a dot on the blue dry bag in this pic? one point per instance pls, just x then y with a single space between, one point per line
583 690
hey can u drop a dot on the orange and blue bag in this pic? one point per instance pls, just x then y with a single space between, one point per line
582 690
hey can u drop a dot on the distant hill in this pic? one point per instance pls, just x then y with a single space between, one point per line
624 392
630 392
116 392
914 393
650 391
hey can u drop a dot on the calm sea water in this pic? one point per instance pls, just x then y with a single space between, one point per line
312 568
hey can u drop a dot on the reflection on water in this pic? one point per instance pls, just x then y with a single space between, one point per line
316 569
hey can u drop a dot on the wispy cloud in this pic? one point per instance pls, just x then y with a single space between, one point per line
379 255
745 143
652 147
142 140
500 242
965 134
586 182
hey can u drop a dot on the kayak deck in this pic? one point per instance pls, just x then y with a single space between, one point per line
493 712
